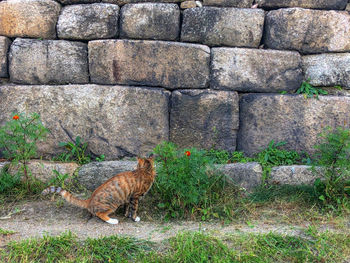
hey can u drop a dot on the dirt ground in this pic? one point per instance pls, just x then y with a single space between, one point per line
37 218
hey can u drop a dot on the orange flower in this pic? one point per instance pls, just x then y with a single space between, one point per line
187 153
16 117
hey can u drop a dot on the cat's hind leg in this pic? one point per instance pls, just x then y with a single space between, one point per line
104 216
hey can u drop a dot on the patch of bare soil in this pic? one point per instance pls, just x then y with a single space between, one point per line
37 218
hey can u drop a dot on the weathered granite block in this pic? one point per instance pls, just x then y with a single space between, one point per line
289 118
150 21
204 119
308 31
4 47
294 175
152 63
246 175
34 61
88 21
94 174
255 70
327 69
317 4
223 26
29 18
115 121
123 2
230 3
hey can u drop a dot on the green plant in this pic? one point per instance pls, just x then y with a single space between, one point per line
218 156
76 151
185 183
239 157
309 91
273 156
100 158
333 155
8 181
59 179
18 139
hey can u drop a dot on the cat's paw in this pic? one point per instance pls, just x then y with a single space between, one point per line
112 221
137 219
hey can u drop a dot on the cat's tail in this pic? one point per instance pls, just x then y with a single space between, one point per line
68 196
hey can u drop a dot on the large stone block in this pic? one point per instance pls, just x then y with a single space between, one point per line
328 69
29 18
223 26
34 61
4 47
255 70
204 119
123 2
317 4
151 63
289 118
150 21
115 121
88 22
308 31
230 3
94 174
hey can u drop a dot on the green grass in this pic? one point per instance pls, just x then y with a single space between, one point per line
5 232
186 247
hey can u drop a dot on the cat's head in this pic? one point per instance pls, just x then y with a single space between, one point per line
145 162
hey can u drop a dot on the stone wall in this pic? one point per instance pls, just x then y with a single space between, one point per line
127 74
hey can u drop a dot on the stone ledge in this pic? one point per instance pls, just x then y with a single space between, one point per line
94 174
43 170
294 175
246 175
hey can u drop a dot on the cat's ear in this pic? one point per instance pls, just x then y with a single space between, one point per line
140 162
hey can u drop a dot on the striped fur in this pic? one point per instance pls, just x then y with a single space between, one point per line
124 188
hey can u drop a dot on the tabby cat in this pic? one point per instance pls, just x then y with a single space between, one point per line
123 188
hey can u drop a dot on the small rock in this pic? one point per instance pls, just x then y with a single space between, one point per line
188 4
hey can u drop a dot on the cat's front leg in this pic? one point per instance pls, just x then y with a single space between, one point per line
134 205
127 210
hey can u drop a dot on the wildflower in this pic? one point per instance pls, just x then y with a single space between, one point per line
187 153
16 117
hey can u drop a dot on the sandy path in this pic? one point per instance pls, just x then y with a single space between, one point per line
44 217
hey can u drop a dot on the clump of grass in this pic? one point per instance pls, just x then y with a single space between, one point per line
6 232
